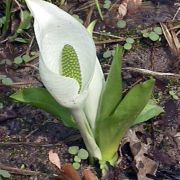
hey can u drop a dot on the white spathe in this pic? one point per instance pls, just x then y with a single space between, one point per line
54 28
92 101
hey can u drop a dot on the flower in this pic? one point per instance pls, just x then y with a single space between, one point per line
68 65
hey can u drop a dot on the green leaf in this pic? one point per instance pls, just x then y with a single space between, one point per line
2 21
146 34
21 40
5 173
25 21
127 46
7 81
107 4
158 30
6 61
73 150
130 40
26 58
153 36
18 60
91 26
77 159
107 54
41 98
99 9
112 91
111 130
76 165
173 94
2 76
121 24
151 110
1 105
83 154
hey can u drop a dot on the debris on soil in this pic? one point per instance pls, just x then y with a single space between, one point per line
145 165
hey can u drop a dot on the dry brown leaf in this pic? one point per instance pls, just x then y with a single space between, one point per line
171 36
54 159
88 175
70 172
128 6
144 164
122 10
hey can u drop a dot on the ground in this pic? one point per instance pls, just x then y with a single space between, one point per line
27 134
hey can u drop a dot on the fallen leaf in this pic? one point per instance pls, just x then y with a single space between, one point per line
128 6
54 159
70 172
143 163
171 36
122 10
88 175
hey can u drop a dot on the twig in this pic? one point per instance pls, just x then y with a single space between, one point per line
176 13
66 140
28 144
85 6
32 132
18 171
153 73
31 66
88 18
18 4
4 40
109 41
108 35
30 45
132 85
18 84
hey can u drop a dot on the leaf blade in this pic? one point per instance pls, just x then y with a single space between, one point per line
150 110
112 96
111 130
40 97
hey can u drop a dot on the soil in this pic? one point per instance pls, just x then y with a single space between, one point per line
27 134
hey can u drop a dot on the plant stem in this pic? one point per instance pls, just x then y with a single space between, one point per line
62 2
99 9
8 16
86 132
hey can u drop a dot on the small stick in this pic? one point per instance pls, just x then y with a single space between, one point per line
109 41
14 170
108 35
31 66
30 45
17 84
153 73
85 6
28 144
